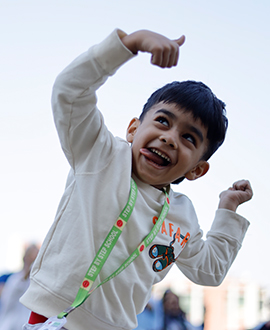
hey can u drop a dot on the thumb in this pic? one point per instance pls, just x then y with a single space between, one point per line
180 41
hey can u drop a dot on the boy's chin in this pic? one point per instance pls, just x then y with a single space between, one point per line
152 182
158 185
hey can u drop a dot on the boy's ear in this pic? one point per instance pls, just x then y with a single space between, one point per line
198 171
132 129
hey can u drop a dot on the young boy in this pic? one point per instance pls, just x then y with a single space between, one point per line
180 127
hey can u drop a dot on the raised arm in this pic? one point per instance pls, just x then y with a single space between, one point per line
207 262
78 121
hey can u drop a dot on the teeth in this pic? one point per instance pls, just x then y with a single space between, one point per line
161 154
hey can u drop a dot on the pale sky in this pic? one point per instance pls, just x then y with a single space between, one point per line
227 47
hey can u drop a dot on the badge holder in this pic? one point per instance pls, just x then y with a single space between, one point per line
53 323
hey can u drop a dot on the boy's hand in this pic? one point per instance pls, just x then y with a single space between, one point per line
165 52
239 193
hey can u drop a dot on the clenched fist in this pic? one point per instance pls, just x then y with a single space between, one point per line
239 193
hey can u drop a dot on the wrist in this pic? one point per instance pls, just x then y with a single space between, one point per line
228 204
130 43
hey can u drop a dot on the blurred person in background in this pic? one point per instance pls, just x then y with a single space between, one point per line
164 314
174 317
12 313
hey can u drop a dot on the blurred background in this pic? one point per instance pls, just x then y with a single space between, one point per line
227 47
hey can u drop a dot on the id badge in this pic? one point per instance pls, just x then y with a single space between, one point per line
53 323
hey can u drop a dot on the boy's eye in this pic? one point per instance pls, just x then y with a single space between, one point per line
190 138
163 121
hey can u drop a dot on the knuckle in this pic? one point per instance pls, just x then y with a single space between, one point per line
157 48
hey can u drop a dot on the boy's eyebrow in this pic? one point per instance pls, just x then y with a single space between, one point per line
168 113
197 132
191 127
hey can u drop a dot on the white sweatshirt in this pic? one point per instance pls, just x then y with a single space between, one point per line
97 190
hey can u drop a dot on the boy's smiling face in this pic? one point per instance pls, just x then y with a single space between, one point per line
168 144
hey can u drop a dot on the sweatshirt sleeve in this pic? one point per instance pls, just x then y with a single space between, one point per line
82 133
206 262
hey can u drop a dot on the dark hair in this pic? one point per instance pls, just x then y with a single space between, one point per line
197 98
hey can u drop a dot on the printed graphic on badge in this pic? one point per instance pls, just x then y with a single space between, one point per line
53 323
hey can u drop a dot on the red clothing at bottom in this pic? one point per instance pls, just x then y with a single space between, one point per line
36 318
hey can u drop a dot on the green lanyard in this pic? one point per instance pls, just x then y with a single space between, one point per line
107 246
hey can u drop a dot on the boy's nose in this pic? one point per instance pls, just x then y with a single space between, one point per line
169 140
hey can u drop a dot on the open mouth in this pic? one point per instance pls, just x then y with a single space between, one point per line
156 156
